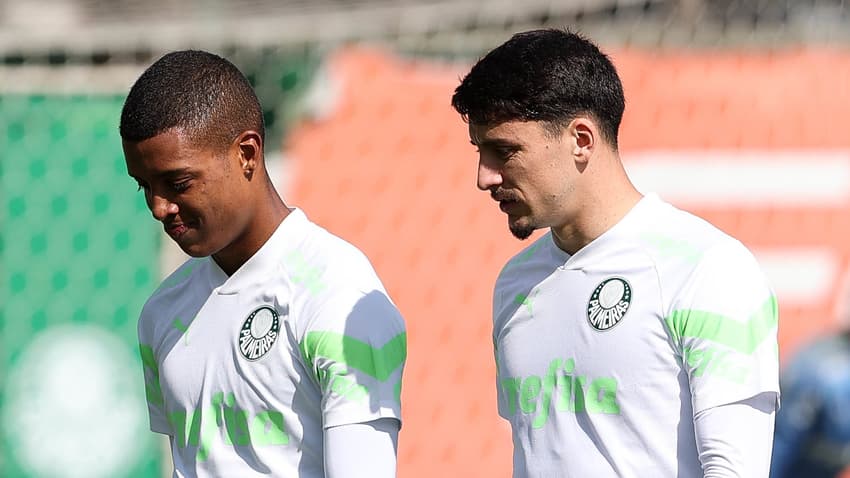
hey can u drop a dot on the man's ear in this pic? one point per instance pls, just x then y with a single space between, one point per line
249 147
583 136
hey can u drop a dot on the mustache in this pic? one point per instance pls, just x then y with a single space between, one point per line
503 195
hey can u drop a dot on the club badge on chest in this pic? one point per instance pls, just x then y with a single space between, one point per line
259 333
609 303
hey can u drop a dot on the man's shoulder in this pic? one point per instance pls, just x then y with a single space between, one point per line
183 275
530 264
682 239
334 287
327 276
327 258
178 282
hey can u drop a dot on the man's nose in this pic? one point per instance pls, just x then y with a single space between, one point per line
488 176
161 207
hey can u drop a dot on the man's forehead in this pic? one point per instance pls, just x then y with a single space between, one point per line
506 131
165 154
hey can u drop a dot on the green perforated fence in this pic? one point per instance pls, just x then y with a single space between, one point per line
78 255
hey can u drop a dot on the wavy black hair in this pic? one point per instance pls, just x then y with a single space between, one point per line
550 75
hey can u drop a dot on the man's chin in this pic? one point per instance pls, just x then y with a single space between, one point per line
521 229
195 249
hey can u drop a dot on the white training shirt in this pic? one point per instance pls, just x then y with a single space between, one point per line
604 357
245 372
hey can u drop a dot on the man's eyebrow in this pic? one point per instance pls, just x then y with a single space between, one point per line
170 173
166 174
495 143
174 172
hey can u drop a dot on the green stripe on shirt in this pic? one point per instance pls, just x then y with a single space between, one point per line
153 391
744 337
377 362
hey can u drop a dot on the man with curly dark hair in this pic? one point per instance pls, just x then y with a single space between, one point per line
632 339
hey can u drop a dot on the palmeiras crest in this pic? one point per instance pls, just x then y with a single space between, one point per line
609 303
259 333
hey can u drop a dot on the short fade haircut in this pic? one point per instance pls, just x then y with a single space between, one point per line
200 93
551 76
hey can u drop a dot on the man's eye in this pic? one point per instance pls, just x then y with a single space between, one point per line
180 186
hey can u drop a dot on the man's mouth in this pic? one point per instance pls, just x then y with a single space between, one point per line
175 230
505 199
507 204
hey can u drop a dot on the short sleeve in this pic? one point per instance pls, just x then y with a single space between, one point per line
153 390
724 323
501 400
507 388
355 346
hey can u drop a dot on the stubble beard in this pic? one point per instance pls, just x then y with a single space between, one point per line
523 227
522 230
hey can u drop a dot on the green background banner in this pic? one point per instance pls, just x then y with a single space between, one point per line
79 255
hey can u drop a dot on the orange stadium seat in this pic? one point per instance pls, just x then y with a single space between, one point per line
390 169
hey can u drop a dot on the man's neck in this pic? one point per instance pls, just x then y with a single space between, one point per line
269 215
604 203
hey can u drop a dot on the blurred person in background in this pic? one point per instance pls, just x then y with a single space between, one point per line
813 428
632 339
275 350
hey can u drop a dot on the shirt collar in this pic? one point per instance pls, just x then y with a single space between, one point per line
267 259
590 252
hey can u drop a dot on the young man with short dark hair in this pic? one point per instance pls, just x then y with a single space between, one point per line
275 350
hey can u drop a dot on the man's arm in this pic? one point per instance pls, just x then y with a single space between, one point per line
724 322
735 439
355 350
362 450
